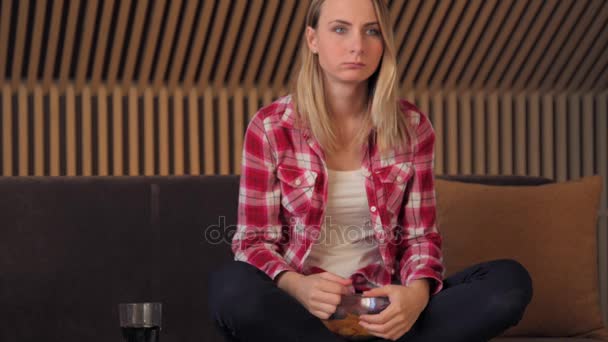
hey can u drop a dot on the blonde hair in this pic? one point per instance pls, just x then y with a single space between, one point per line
383 114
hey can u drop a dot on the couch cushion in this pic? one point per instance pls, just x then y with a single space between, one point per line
550 229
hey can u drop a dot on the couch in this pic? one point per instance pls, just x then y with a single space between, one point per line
72 248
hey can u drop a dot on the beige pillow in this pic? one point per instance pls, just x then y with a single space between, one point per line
550 229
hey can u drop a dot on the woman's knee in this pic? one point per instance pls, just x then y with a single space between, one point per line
508 302
514 276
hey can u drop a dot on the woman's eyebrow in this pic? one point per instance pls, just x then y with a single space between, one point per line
344 22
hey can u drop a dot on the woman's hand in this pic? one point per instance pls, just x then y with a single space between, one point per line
319 293
398 318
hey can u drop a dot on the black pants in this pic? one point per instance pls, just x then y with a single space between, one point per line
476 304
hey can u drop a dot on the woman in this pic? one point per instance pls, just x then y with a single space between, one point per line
337 196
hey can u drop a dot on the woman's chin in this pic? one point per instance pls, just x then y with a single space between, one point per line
353 77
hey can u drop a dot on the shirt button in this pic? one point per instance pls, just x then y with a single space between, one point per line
392 271
373 208
298 182
399 178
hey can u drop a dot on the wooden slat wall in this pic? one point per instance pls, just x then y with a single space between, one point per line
555 135
124 131
554 45
132 132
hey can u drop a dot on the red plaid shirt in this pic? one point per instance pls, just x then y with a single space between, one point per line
283 192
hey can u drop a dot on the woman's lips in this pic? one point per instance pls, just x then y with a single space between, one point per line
354 65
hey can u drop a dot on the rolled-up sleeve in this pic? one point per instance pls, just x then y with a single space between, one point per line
259 230
421 243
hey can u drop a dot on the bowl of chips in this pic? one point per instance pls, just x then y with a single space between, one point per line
345 321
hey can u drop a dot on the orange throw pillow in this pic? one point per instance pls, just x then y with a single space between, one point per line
550 229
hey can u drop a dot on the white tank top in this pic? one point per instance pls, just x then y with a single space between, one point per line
347 242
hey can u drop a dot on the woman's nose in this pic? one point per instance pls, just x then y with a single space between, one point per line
357 43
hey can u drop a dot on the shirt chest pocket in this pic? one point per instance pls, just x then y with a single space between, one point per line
394 180
297 187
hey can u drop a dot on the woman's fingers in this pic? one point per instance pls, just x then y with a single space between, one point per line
377 319
326 297
335 278
390 330
384 328
320 314
332 287
324 308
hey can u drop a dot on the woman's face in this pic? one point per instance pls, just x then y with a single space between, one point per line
347 40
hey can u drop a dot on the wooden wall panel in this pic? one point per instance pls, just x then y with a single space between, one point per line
178 132
223 133
263 37
67 54
465 133
208 132
151 40
521 140
38 132
506 133
86 150
133 133
117 129
169 38
199 32
281 33
452 126
149 136
437 109
52 44
7 131
70 131
228 45
194 133
119 24
23 138
86 43
493 140
135 42
20 36
163 134
97 131
534 158
101 52
441 44
103 143
4 35
480 130
32 73
54 129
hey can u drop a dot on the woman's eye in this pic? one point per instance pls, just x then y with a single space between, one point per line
339 29
373 32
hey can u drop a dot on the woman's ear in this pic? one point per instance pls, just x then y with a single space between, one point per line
311 39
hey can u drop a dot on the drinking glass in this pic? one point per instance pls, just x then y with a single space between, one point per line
140 322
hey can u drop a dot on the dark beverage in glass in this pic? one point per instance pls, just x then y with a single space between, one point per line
143 334
140 322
